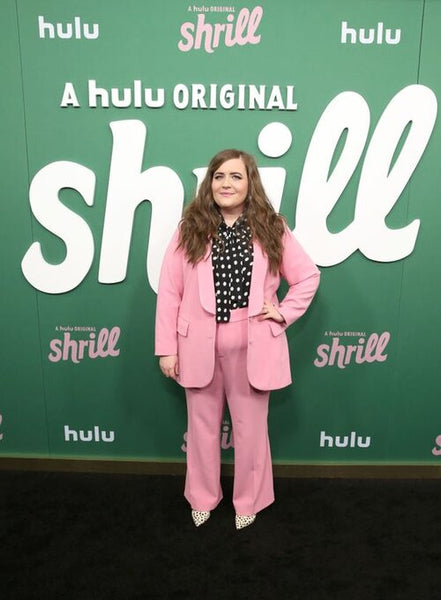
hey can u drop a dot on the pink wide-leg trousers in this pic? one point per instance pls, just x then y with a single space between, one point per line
253 478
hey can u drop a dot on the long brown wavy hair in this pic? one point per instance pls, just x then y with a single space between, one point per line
202 216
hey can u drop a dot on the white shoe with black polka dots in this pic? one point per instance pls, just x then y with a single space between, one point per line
244 520
200 517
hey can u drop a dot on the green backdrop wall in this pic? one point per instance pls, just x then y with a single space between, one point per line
109 114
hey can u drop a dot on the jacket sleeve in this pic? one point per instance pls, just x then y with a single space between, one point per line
170 290
302 276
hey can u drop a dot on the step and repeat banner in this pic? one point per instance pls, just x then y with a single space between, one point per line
109 116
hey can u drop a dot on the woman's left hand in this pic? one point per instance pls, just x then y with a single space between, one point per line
269 311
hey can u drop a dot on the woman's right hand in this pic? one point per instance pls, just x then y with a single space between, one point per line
169 366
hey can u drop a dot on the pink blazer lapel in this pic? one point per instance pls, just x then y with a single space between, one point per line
206 284
260 266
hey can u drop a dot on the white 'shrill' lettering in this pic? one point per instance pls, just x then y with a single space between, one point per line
380 184
380 187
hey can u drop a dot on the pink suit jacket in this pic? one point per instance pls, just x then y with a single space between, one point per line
186 308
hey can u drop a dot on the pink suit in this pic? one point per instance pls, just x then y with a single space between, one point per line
242 360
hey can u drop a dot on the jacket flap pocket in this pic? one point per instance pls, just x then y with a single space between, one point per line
183 326
276 328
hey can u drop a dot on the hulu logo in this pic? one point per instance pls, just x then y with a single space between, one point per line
91 435
66 31
373 35
344 441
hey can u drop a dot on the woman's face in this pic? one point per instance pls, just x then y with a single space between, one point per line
230 188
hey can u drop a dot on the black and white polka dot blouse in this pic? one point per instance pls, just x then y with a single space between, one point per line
232 260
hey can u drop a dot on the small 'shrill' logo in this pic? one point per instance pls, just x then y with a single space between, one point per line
91 435
226 437
373 35
436 450
100 346
351 440
67 31
209 36
371 349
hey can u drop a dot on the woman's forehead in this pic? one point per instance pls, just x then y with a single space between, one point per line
233 165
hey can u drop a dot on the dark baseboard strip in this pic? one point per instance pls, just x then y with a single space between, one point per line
357 471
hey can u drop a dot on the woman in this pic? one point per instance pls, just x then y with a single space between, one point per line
220 328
